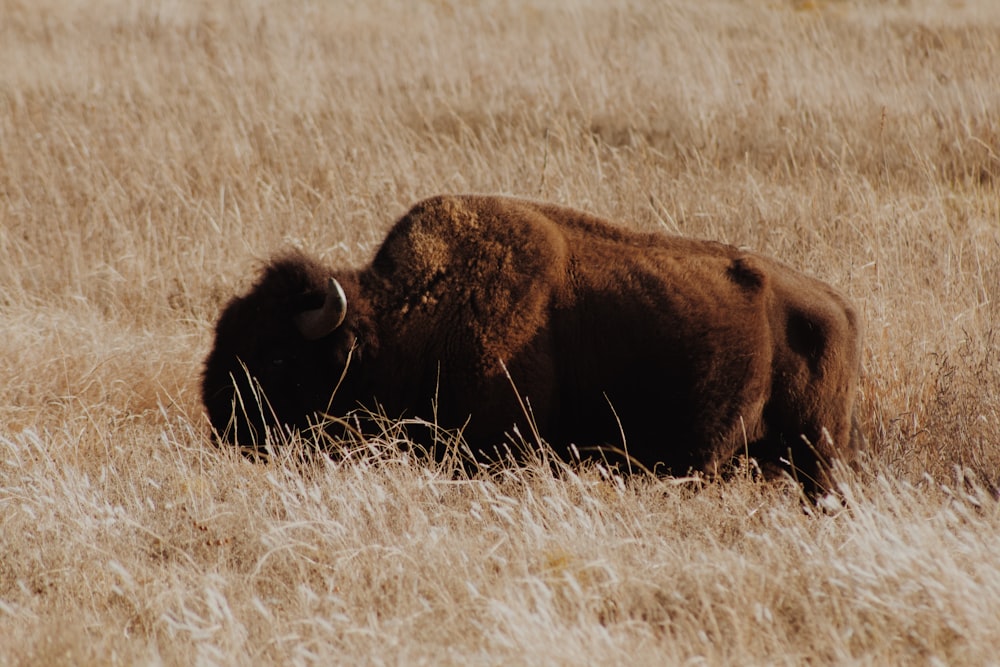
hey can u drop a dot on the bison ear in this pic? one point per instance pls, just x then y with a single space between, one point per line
322 321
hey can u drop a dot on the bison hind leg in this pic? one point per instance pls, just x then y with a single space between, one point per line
789 454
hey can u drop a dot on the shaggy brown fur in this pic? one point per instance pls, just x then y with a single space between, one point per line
695 351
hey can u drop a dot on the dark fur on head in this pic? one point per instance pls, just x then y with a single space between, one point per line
256 337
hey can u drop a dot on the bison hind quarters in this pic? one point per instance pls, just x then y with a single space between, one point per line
744 273
807 337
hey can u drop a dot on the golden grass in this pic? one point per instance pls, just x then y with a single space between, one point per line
152 156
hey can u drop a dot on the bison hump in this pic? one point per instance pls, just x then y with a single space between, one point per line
472 275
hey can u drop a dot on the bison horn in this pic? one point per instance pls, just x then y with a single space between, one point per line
314 324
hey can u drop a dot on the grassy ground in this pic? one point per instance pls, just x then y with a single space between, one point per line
153 155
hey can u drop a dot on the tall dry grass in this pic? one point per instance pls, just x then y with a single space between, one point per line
152 155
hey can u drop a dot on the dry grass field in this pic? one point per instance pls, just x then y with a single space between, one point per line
153 155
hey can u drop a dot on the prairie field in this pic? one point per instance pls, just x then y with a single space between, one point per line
154 155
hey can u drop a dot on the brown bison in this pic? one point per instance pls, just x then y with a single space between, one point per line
682 353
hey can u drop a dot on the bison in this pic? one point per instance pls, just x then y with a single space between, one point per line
490 314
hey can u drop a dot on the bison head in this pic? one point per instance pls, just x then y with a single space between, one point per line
279 352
